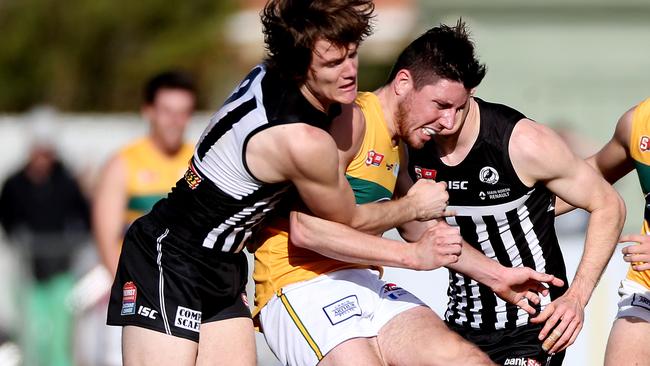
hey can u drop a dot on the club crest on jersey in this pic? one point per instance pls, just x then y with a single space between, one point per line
129 295
488 175
374 158
424 173
644 143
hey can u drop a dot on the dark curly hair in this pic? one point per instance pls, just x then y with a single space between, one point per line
441 52
292 27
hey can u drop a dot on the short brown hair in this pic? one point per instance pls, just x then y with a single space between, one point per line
442 52
292 27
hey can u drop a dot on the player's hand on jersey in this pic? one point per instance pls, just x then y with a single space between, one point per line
440 245
429 199
638 254
522 286
563 319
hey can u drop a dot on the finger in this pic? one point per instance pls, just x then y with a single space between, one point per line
550 324
550 341
543 316
641 267
563 331
448 213
636 258
532 298
574 336
632 238
564 340
558 282
525 306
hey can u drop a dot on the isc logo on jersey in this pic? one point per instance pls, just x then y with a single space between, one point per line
644 143
188 319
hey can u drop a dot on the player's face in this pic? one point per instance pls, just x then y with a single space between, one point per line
435 109
169 114
332 75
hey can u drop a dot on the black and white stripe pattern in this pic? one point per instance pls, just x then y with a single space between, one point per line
494 229
223 202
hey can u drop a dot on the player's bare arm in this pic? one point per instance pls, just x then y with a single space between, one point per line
424 201
109 203
306 156
567 176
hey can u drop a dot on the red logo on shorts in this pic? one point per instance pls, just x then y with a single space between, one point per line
129 295
424 173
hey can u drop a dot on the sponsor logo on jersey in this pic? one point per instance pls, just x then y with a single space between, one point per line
521 361
482 195
393 291
644 143
147 312
488 175
188 319
424 173
498 193
374 158
343 309
192 177
129 296
642 301
457 185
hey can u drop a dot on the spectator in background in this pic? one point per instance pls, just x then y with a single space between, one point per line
131 182
44 213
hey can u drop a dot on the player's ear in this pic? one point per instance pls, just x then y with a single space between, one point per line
403 82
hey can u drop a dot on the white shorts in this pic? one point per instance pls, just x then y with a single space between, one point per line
312 317
635 300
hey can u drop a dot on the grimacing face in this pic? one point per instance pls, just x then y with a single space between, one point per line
332 74
435 109
169 115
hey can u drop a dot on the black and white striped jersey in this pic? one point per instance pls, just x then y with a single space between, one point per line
498 215
218 203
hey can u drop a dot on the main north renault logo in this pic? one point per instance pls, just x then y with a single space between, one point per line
488 175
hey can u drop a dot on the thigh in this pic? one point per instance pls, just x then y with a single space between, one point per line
142 347
354 352
227 342
418 337
629 336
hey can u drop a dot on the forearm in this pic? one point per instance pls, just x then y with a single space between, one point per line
109 253
478 266
377 217
605 225
343 243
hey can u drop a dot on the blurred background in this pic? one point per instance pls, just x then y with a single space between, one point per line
71 77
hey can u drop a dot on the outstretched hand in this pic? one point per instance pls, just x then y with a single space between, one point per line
521 286
563 320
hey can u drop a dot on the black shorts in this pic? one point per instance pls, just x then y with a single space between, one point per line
170 286
518 346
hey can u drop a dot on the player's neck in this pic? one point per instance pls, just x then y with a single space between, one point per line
311 97
163 150
454 148
388 103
